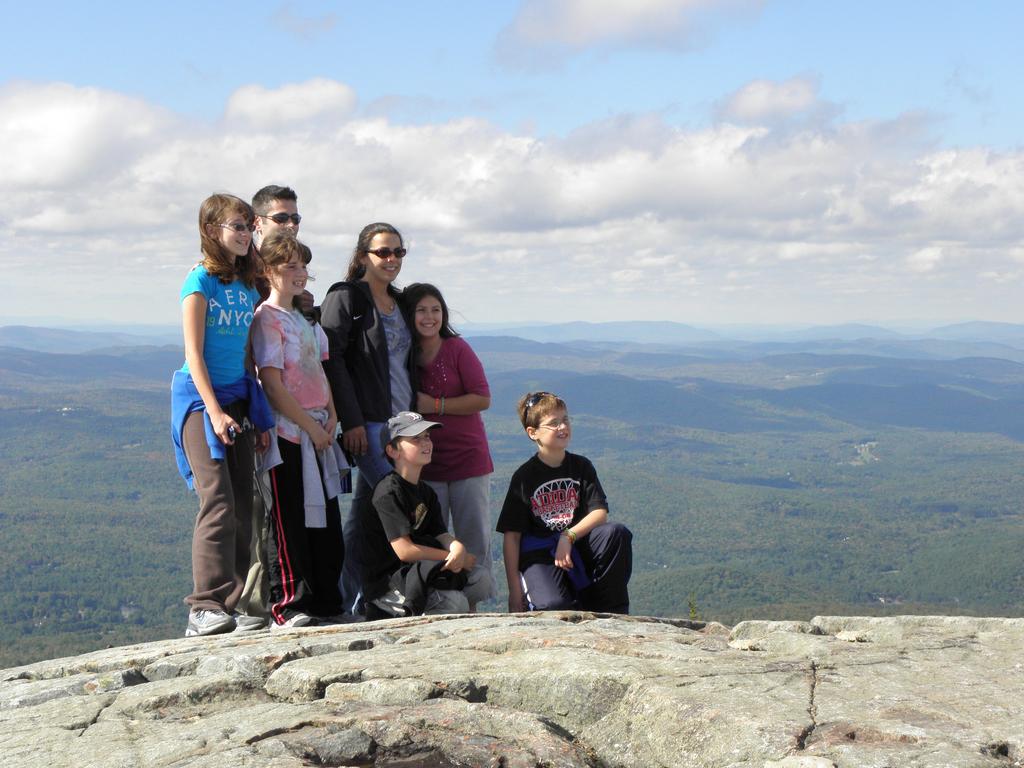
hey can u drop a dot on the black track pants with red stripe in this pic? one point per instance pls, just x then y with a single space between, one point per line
304 563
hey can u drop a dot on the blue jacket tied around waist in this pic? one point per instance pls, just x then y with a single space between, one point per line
577 574
185 399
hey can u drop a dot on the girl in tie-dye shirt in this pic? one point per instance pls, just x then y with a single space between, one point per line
305 550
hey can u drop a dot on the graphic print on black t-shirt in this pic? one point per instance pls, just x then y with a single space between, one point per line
419 515
543 500
555 501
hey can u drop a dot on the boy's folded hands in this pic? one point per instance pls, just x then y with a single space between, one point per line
458 558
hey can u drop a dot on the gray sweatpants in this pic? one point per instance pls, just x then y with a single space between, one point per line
466 509
479 587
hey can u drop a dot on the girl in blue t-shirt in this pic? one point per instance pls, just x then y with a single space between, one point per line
219 414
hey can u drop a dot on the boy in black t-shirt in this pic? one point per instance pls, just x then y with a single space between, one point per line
560 550
413 564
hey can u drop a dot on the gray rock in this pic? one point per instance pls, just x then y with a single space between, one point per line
559 689
26 692
349 745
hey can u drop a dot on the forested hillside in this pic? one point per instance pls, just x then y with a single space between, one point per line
757 485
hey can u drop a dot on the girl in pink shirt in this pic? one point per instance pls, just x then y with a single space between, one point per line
453 390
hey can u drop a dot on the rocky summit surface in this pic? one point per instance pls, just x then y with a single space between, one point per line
557 689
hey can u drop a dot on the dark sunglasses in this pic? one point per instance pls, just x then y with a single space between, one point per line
387 253
282 218
237 227
535 398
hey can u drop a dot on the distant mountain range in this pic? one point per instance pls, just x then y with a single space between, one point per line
641 332
669 333
1006 333
147 363
923 383
984 339
66 340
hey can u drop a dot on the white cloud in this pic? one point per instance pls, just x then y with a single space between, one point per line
629 276
968 194
545 31
925 260
297 104
1001 277
729 222
55 135
767 101
818 251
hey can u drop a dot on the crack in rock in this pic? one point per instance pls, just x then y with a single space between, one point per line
96 718
812 710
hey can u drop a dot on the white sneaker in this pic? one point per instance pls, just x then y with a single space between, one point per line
246 623
202 622
295 620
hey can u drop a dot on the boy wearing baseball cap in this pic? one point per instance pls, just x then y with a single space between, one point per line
413 565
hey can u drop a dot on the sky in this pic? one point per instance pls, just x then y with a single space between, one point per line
710 162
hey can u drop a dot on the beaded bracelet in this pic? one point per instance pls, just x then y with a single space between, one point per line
570 535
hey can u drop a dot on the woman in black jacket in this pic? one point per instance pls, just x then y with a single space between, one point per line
371 371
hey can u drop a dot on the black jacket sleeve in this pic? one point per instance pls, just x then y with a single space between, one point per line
336 320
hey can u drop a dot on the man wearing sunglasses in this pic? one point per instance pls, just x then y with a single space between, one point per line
276 207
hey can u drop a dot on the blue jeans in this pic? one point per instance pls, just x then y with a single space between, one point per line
371 467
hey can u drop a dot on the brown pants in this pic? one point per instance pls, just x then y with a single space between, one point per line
220 541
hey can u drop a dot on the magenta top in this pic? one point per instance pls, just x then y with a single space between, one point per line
460 448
